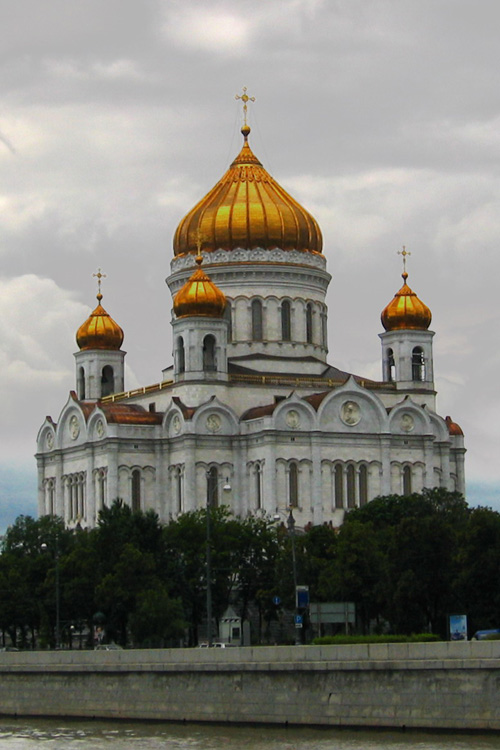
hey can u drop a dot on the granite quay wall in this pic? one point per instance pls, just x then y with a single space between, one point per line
438 685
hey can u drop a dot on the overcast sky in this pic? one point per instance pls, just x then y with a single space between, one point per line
382 117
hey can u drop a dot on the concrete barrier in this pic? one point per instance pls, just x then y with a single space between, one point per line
431 685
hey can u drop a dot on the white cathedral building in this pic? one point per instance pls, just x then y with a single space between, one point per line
250 414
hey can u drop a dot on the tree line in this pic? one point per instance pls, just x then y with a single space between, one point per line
406 562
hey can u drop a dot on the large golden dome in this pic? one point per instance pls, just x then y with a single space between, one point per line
99 331
247 209
199 296
406 310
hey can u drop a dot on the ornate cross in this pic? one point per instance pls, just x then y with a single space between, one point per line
245 98
99 275
404 252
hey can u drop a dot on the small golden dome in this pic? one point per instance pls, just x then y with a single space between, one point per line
247 209
406 311
99 331
199 296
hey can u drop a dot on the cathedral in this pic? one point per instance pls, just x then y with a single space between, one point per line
250 414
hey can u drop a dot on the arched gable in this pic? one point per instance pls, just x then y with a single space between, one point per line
439 427
72 425
352 408
46 438
408 418
215 418
294 414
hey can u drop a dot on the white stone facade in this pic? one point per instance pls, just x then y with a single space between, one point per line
263 410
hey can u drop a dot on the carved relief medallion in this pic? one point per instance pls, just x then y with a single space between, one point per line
407 423
49 441
74 427
99 428
213 423
350 413
176 424
292 419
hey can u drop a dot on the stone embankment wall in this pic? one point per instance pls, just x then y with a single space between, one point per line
439 685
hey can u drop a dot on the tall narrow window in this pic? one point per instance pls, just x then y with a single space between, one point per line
309 323
339 486
181 355
179 489
351 487
293 485
229 317
324 332
363 485
107 381
257 327
81 384
418 364
258 486
50 495
136 490
213 487
286 326
101 489
391 366
209 364
407 480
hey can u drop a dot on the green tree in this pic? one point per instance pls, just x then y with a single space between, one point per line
157 620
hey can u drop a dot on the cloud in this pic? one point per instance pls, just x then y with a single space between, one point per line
38 321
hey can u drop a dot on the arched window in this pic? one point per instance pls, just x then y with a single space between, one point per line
81 383
209 364
407 480
309 323
418 364
339 486
293 485
76 495
257 325
286 323
391 366
363 485
258 486
228 316
50 496
351 487
181 355
101 488
107 381
136 490
178 482
213 487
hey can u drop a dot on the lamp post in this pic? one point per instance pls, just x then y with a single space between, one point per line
212 485
290 522
58 590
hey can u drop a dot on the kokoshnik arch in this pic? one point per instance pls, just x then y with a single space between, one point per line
250 395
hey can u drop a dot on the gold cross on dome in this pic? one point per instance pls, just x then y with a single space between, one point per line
99 275
404 252
245 98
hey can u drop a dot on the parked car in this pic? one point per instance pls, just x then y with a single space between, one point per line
216 645
485 635
108 647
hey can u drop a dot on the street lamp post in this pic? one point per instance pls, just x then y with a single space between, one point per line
212 485
58 590
290 522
